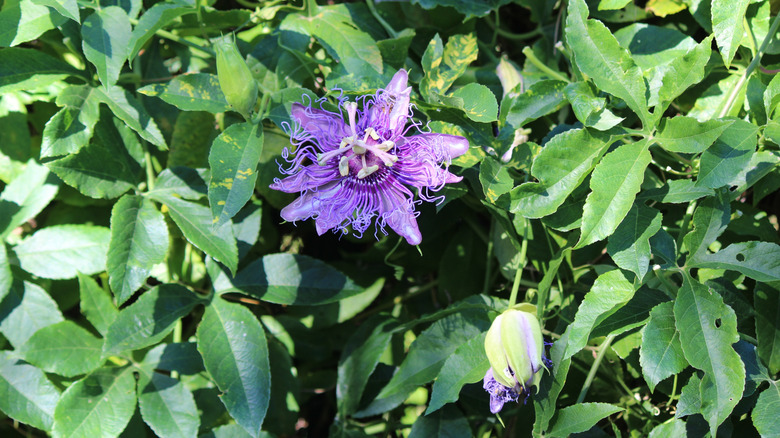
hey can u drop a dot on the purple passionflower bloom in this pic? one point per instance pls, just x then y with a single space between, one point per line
363 170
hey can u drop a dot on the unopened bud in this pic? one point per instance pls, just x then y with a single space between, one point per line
515 350
235 79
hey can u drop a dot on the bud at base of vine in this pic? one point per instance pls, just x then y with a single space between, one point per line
515 350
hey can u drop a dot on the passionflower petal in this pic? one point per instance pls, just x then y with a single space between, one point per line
365 164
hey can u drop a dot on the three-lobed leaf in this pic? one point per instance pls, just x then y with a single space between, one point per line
707 329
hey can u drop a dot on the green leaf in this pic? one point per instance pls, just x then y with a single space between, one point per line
71 128
545 401
560 167
359 359
139 240
191 140
629 246
709 220
448 422
614 184
682 73
580 417
167 406
722 162
23 21
190 92
771 96
95 304
610 292
233 161
676 191
26 309
235 353
100 404
64 348
431 349
469 9
468 364
495 178
766 299
6 278
758 260
150 318
154 19
727 22
477 101
599 56
588 108
707 329
195 223
130 111
290 279
105 38
541 98
690 397
335 30
29 69
445 63
653 46
181 357
687 135
108 166
180 182
635 313
62 251
672 429
66 8
764 415
661 354
28 397
25 197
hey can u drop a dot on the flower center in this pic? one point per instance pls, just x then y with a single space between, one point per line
361 155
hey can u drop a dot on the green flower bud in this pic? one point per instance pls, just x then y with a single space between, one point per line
515 348
235 78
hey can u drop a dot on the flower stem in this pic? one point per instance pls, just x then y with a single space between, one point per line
529 54
593 368
389 29
735 90
520 267
488 260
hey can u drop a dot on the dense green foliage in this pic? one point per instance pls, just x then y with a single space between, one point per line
622 177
